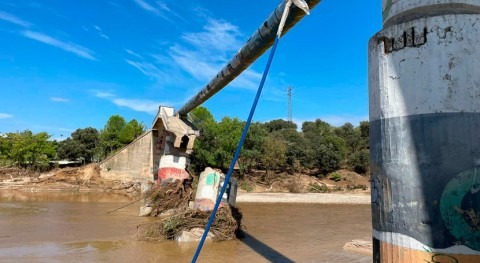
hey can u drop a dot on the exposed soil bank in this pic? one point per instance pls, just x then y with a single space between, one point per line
338 188
80 179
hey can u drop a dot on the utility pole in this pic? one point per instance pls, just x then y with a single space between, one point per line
290 94
424 90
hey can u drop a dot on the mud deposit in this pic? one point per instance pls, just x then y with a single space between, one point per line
74 227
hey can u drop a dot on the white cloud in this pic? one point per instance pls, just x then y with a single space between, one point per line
218 35
200 54
5 116
102 94
100 32
133 53
147 106
212 48
143 4
191 62
148 69
58 99
13 19
69 47
159 9
154 8
141 105
249 79
163 6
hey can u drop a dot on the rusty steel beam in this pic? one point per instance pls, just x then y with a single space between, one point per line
258 43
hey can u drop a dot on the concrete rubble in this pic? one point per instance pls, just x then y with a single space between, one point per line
194 235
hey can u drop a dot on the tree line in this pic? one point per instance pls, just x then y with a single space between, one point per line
318 148
275 146
27 149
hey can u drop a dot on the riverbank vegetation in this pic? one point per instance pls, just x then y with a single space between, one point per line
277 155
278 146
37 151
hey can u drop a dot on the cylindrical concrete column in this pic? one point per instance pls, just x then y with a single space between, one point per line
424 89
398 11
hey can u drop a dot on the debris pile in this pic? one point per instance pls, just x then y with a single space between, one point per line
16 173
226 226
170 194
184 219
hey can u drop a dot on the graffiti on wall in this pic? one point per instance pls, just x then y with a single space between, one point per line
457 212
376 190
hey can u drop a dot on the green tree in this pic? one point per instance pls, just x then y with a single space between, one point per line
329 153
299 153
205 145
227 136
274 153
201 118
88 140
110 135
320 147
253 146
351 135
118 133
5 149
316 129
356 140
30 150
131 131
279 124
218 141
359 161
83 145
70 149
364 134
328 149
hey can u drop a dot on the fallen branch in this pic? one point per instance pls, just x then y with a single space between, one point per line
124 206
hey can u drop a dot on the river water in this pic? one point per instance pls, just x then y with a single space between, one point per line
74 227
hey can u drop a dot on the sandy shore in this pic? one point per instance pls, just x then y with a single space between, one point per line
310 198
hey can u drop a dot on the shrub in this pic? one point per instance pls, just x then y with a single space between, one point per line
336 177
359 161
246 185
317 188
337 189
357 186
294 187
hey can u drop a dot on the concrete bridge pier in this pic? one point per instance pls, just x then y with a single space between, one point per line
175 138
424 90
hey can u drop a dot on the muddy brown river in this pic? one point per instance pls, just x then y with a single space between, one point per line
74 227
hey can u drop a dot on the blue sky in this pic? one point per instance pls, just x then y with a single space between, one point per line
72 64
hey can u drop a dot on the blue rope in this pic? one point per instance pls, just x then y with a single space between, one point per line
237 152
